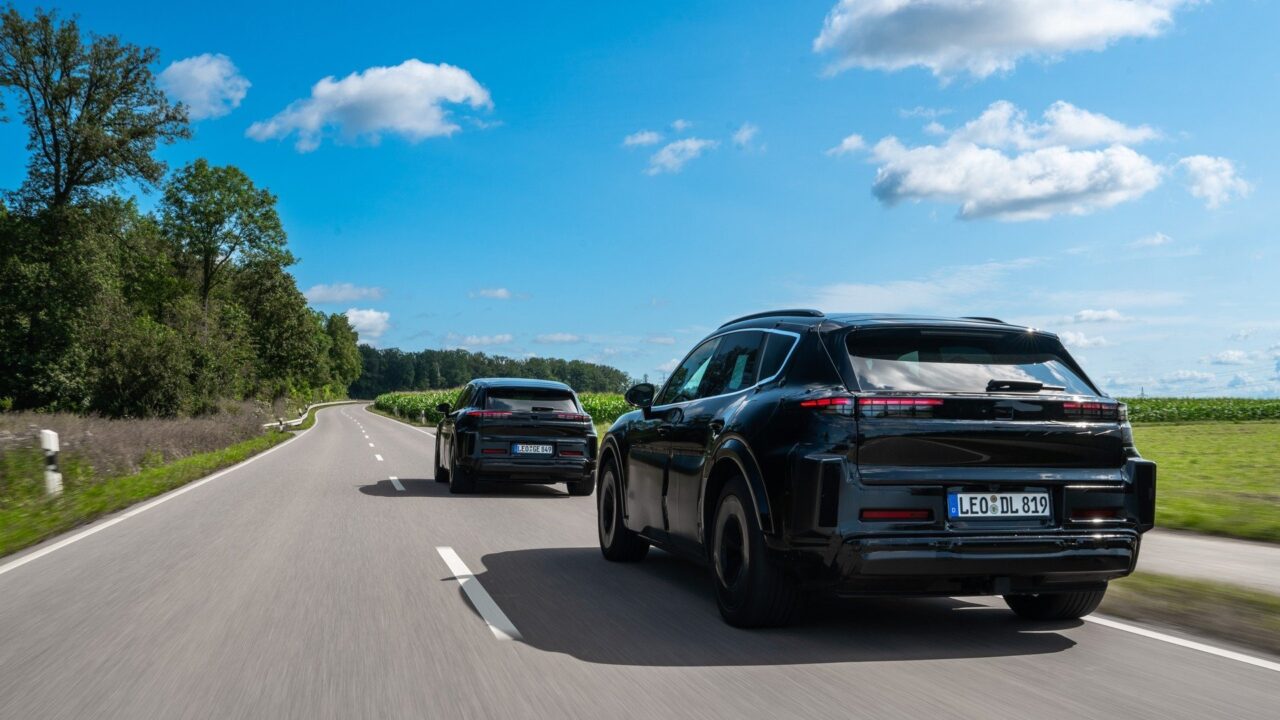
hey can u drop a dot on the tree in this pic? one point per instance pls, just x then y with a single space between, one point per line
214 215
344 357
93 111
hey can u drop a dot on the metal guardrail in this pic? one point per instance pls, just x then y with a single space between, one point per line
282 423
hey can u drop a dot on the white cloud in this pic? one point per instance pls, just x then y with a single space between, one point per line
341 292
1241 335
468 341
660 340
1001 166
1183 377
209 85
935 128
743 136
557 338
921 111
1080 340
673 156
980 37
1093 316
1229 357
1213 179
641 138
492 293
407 100
938 293
681 125
850 144
669 366
370 324
1152 240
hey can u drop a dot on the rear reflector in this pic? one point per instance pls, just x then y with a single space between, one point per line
896 515
492 413
1087 514
494 451
571 453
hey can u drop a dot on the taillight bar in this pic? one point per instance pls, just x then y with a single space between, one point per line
491 413
899 401
903 514
576 417
1092 410
903 407
826 402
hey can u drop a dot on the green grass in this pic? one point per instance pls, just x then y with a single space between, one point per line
1216 478
1237 614
27 523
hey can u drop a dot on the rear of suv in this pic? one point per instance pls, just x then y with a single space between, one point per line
516 430
880 455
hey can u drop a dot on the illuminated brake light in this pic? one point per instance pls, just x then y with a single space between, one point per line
575 417
1091 410
896 515
492 413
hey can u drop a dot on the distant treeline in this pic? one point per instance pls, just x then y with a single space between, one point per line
389 370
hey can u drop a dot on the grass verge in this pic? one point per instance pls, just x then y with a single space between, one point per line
1218 478
1240 615
28 524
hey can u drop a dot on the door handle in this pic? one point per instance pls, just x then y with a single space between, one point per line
664 430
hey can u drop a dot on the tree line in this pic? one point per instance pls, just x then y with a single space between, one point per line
107 308
389 370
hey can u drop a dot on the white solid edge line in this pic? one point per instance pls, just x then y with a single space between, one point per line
379 457
498 622
1191 644
15 564
395 481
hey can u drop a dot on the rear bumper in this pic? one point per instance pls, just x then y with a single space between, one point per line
982 564
532 470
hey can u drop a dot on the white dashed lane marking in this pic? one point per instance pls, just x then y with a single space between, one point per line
379 457
395 482
498 622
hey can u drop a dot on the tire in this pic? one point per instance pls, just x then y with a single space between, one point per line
442 475
581 488
461 481
752 590
1055 606
617 543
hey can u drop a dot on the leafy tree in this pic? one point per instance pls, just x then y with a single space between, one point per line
344 356
93 111
214 215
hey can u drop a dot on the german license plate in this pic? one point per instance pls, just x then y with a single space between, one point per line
522 449
997 505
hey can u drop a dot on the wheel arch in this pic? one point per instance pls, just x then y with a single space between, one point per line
733 457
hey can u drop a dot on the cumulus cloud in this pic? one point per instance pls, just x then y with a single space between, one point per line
681 125
1080 340
1229 357
370 324
641 138
1213 179
209 85
1093 316
1152 240
660 340
341 292
492 293
468 341
406 100
980 37
1005 167
674 156
743 136
1184 377
669 366
851 143
557 338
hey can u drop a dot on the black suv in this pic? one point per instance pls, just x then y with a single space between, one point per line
516 430
879 455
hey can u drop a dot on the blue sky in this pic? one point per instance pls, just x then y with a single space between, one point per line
1107 171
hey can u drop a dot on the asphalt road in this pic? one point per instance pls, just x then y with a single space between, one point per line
304 584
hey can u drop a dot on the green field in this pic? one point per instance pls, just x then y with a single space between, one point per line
1219 478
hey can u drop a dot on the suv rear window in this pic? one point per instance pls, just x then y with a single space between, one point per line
959 361
530 400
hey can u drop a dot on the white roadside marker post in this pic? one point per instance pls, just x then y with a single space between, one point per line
52 478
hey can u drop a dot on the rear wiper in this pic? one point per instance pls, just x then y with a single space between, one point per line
1020 386
543 409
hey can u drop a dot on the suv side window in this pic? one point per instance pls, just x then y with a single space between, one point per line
686 381
777 347
465 397
735 364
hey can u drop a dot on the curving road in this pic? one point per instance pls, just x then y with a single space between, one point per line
306 584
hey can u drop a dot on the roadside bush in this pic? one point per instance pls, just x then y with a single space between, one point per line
1150 410
602 407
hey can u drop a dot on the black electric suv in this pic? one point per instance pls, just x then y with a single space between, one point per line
516 430
879 455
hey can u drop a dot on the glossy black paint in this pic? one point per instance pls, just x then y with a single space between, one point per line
811 474
462 435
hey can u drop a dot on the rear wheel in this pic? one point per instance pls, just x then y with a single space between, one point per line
581 488
1055 606
460 481
616 541
752 590
442 475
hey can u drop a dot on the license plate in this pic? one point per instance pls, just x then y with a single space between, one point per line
997 505
520 449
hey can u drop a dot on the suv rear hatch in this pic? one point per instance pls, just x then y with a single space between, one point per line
521 413
985 399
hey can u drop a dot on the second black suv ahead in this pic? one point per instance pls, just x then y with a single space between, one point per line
879 455
516 430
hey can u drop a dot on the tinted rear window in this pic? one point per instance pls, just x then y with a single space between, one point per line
957 361
530 400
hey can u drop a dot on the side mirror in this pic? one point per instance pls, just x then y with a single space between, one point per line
641 395
443 408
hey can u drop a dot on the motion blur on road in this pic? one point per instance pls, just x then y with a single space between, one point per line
320 580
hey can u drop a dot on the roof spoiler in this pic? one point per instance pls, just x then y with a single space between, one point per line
794 312
984 319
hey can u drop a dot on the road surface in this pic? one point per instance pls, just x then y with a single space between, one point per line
306 584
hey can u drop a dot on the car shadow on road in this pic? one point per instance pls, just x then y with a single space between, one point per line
661 612
417 487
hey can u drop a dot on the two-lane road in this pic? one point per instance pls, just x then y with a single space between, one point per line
307 583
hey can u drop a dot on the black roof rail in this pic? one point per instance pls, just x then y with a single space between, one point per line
984 319
794 312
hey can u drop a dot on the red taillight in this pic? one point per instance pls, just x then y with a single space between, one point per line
1091 410
571 453
491 413
897 406
826 402
494 451
896 515
575 417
